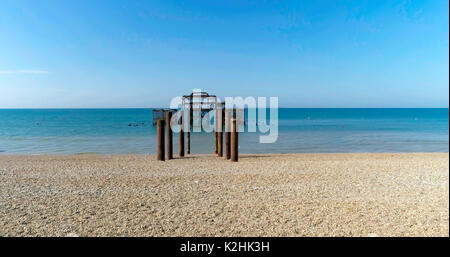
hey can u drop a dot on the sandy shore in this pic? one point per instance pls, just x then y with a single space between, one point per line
201 195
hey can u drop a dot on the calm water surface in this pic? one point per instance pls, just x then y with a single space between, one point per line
106 131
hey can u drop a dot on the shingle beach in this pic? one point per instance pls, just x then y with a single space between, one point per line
203 195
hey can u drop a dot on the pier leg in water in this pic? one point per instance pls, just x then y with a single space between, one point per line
188 143
220 146
219 133
227 134
234 141
169 135
160 145
181 139
215 142
215 130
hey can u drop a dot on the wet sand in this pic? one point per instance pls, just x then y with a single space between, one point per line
202 195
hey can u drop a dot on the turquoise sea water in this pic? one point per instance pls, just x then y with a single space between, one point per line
106 131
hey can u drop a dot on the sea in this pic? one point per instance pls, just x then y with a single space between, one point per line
300 130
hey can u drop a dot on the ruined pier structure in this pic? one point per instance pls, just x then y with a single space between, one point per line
195 116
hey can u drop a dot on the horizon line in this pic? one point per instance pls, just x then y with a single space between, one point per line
91 108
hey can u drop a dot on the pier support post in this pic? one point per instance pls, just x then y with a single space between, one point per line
188 143
215 142
169 135
215 130
234 141
227 134
219 133
160 136
181 138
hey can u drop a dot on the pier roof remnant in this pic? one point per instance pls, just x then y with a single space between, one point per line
200 101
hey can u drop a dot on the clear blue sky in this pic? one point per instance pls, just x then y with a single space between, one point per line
142 53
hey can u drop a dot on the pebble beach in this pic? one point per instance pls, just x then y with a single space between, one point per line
357 194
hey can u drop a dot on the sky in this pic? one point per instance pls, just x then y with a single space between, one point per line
125 54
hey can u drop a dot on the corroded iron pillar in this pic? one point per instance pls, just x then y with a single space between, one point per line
169 136
160 136
219 133
188 142
234 141
181 138
227 134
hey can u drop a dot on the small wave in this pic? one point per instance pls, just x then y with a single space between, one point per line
82 153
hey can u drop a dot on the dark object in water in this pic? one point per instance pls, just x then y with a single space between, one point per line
135 124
